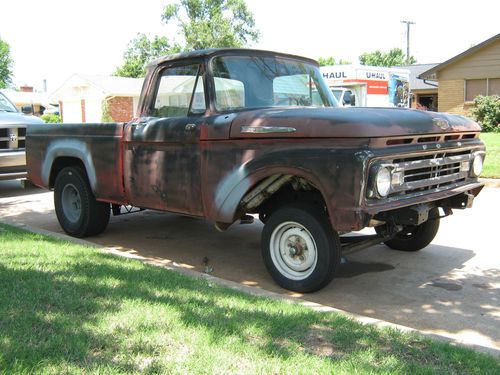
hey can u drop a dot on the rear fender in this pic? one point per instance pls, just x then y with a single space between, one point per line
68 148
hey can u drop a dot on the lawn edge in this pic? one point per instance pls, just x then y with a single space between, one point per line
490 182
255 291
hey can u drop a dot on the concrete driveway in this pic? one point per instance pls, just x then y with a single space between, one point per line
451 288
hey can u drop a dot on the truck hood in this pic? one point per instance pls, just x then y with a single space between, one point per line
345 123
16 118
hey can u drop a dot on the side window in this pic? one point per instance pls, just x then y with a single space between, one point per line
177 95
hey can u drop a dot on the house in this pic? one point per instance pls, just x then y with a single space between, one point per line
38 101
98 98
467 75
424 94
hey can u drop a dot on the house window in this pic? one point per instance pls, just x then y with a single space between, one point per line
475 87
494 86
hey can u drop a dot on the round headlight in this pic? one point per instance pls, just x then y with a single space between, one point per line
383 181
477 166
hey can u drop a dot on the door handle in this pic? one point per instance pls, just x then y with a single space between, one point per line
190 127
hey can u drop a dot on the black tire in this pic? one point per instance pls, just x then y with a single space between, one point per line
415 237
77 210
296 226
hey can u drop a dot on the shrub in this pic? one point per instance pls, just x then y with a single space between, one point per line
487 111
51 118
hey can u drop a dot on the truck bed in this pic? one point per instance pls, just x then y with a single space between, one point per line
97 145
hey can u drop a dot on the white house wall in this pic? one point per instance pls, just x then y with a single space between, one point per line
72 111
93 110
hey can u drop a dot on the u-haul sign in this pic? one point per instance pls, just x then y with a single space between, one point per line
387 84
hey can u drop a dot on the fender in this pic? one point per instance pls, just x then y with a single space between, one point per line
240 181
68 147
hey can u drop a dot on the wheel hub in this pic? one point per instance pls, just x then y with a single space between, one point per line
293 250
71 203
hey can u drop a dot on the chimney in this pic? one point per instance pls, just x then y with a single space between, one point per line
26 88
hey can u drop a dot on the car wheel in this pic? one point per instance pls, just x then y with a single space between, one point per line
415 237
300 249
77 210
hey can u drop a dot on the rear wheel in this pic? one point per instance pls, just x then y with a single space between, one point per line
77 210
415 237
300 249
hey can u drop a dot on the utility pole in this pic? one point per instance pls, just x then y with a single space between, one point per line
408 23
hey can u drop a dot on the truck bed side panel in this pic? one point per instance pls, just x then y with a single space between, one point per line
97 146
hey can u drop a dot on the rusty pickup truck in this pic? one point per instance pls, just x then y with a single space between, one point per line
233 134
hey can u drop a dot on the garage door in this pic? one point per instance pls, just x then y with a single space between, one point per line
72 111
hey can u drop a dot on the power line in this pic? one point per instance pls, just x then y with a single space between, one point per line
408 23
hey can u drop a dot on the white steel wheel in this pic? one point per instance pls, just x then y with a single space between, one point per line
293 250
71 203
300 249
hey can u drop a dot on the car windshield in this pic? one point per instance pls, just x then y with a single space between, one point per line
253 82
6 105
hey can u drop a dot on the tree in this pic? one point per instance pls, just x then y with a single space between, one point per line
201 23
212 23
487 111
325 61
394 57
5 65
142 50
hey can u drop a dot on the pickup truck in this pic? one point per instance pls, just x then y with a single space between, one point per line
232 134
12 139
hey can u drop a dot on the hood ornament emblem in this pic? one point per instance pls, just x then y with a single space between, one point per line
441 123
12 137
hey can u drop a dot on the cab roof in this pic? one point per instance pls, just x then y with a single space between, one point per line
206 53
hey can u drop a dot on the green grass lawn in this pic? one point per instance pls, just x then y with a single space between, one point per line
68 309
492 164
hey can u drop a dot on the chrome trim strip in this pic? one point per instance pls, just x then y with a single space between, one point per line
435 162
267 129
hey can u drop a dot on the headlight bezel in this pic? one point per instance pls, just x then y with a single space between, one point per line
381 180
477 164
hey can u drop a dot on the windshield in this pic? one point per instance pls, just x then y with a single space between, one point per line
253 82
337 94
6 105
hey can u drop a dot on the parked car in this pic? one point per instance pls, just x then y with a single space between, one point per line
13 139
52 110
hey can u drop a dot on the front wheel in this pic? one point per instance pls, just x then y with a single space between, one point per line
300 249
77 210
415 237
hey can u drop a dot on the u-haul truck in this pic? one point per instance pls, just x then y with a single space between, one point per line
368 86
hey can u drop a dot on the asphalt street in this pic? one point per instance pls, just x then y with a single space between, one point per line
450 288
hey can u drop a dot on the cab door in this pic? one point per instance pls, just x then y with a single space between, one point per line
161 158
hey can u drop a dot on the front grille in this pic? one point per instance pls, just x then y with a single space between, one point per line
12 138
428 172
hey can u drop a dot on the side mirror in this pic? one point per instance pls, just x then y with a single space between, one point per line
353 99
27 109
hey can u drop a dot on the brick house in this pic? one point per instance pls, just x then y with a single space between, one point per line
467 75
424 94
95 98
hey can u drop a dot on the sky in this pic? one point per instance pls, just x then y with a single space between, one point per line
53 39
